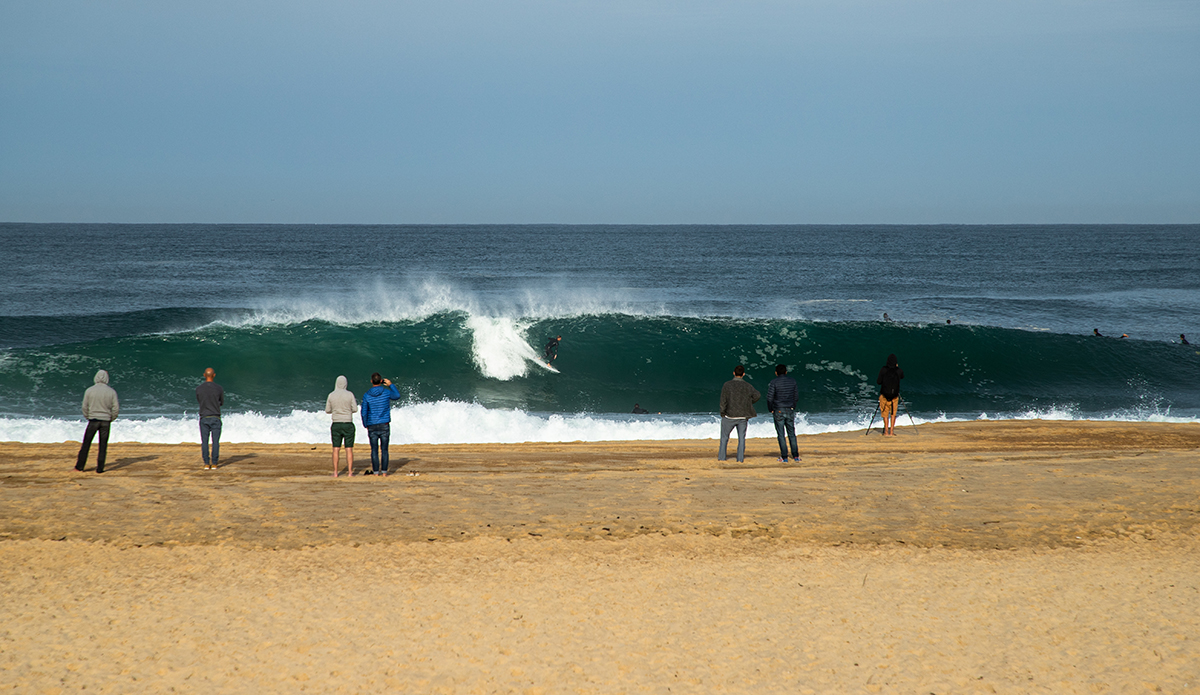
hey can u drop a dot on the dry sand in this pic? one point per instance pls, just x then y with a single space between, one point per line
972 557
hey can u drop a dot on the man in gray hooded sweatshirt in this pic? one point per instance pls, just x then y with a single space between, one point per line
100 407
342 406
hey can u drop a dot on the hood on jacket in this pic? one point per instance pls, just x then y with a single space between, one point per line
892 361
340 383
101 377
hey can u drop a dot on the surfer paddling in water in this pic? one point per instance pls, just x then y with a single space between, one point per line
552 349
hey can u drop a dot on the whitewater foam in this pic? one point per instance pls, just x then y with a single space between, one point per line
454 422
499 347
419 298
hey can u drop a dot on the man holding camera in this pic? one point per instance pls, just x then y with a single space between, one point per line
376 414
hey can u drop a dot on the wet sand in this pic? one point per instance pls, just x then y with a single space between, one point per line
965 557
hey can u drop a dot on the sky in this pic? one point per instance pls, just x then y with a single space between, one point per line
609 111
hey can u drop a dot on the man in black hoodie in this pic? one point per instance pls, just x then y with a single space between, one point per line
889 394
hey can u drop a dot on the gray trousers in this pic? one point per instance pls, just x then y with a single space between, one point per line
727 426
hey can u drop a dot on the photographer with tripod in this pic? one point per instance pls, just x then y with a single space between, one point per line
889 393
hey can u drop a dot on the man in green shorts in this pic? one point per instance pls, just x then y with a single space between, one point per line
342 406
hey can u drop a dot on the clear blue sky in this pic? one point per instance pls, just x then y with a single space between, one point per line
608 111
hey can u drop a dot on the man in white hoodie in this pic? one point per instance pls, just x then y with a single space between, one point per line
100 407
342 406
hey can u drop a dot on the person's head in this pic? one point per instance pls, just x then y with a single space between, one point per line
1095 331
340 382
892 361
637 405
1182 336
101 377
739 371
376 379
780 369
210 374
947 320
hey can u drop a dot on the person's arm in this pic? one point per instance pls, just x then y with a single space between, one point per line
879 379
220 396
366 410
395 393
329 404
756 396
115 409
724 401
771 396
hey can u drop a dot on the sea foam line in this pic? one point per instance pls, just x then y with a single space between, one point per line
455 422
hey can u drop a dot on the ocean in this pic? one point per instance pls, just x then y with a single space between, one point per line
987 321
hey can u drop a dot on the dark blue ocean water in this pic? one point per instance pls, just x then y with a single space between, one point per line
653 314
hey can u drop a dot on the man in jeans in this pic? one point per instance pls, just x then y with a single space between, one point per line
211 397
100 407
782 396
737 407
377 418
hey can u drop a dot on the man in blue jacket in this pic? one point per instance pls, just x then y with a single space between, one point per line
377 418
782 396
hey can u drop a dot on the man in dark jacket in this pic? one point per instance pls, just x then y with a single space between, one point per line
211 397
100 407
782 396
737 407
889 394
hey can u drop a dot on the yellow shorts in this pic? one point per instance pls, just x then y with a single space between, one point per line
888 408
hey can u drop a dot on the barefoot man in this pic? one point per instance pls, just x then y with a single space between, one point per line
341 405
889 393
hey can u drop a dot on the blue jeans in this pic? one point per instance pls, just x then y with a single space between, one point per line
727 426
379 436
210 425
785 423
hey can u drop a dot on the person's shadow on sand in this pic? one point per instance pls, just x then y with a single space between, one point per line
235 459
127 461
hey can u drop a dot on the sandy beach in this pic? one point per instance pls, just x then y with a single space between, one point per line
1014 556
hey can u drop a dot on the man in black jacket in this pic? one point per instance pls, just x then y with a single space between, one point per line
737 407
782 396
889 394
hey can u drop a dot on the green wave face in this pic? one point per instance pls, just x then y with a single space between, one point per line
606 364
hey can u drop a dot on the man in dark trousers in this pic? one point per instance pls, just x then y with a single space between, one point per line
782 396
211 397
100 407
889 393
737 407
376 413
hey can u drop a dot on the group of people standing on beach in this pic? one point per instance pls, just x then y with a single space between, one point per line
101 406
738 398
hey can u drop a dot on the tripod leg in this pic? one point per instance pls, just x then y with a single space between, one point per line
872 420
910 419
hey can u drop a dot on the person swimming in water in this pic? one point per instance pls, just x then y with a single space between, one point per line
1183 339
552 349
1096 332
